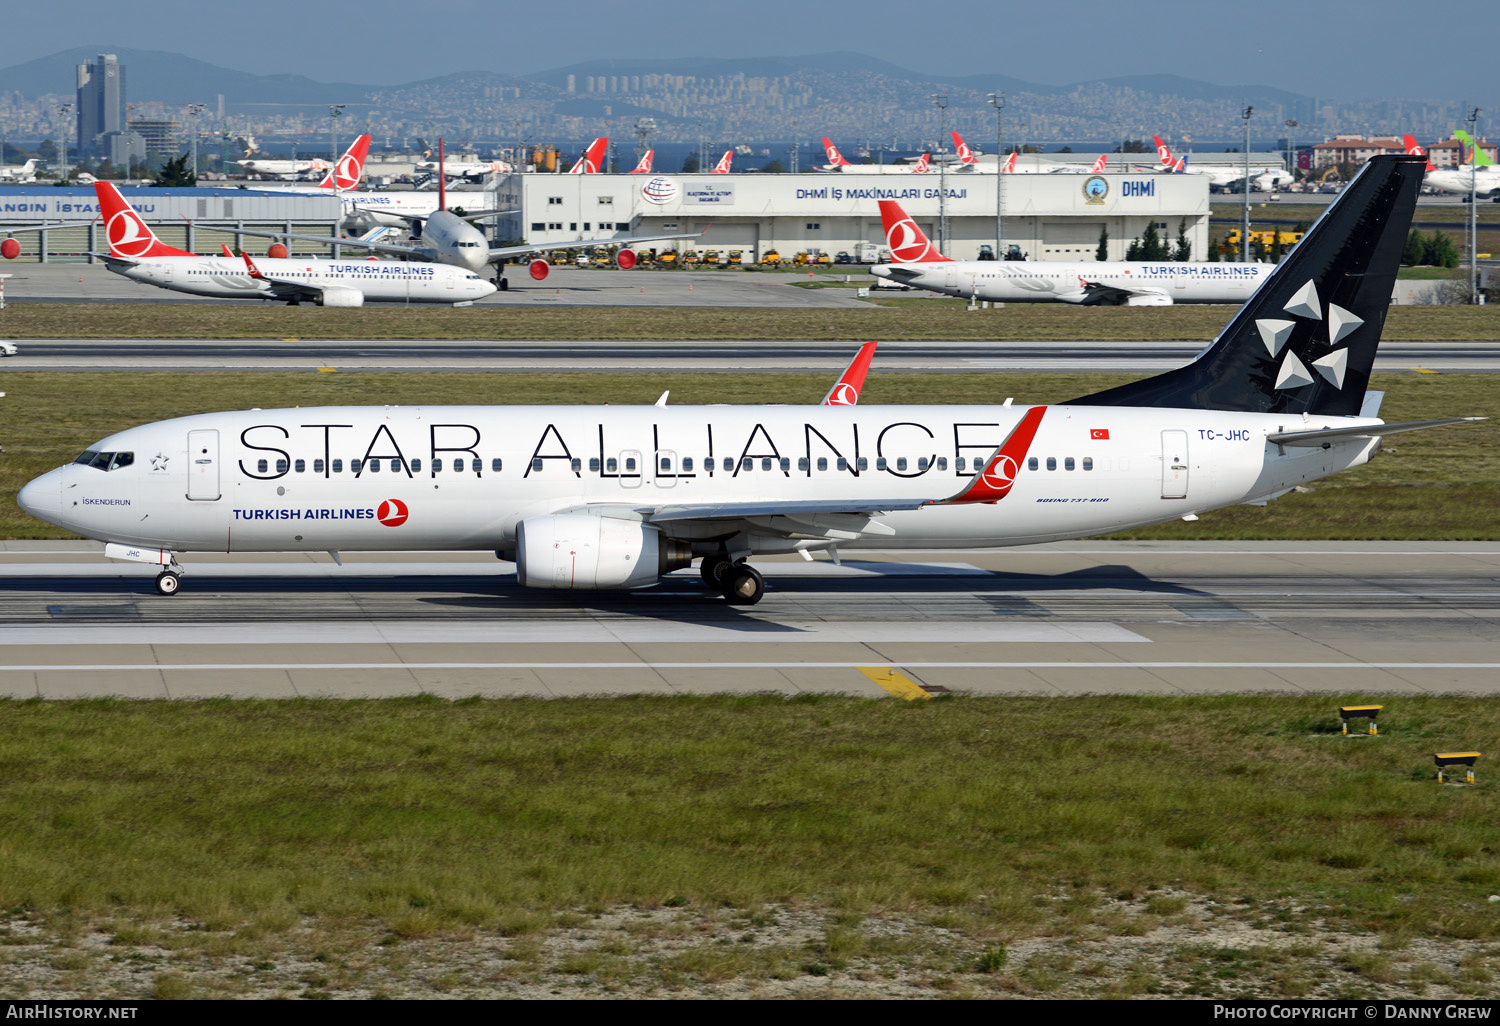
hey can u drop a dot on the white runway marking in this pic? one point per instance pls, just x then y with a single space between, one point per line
623 631
774 665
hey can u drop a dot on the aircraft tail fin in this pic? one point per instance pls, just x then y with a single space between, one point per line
592 160
1477 156
1415 149
722 167
845 391
1163 154
1009 167
965 155
1098 167
921 167
1305 341
128 234
908 243
1180 167
835 158
644 167
346 174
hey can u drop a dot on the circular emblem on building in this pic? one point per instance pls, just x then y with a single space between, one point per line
1095 189
659 190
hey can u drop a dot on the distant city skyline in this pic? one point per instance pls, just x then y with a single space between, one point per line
1386 49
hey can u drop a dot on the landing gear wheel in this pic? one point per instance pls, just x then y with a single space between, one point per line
503 284
714 569
743 585
167 582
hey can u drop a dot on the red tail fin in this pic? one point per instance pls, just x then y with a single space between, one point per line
644 167
346 174
845 391
722 167
908 243
921 165
128 235
835 158
1162 153
592 160
1009 167
965 155
1098 167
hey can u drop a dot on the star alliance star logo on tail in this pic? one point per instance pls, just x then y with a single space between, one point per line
1275 333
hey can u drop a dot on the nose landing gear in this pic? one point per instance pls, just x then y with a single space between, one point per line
169 581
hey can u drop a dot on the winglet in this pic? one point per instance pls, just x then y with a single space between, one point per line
998 476
227 252
254 271
845 391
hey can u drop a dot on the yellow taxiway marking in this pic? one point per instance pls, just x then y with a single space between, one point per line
1424 370
328 370
291 340
895 682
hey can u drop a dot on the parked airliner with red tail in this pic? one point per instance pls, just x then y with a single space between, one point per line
614 496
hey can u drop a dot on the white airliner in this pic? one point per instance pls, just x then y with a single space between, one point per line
281 168
473 171
450 238
968 163
919 264
837 163
136 253
20 172
1222 176
586 497
1482 177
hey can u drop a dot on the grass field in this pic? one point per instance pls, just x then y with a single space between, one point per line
904 318
245 834
1440 484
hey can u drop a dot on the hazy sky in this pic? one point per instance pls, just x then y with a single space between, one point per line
1383 48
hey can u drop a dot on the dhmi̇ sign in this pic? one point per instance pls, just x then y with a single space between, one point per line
708 194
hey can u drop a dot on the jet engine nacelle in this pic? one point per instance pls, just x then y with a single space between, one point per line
539 268
626 259
1149 299
276 251
575 550
342 297
10 249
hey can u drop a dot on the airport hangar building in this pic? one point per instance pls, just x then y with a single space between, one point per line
197 220
1049 216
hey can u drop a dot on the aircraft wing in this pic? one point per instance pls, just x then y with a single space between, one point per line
33 228
501 252
1319 437
1093 293
383 247
470 216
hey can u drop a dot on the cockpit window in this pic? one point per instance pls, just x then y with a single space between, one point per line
106 460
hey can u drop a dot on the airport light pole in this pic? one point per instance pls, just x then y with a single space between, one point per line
194 109
63 110
997 100
1291 149
1473 233
941 99
1245 226
335 111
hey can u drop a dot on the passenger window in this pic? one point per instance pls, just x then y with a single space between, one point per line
942 463
317 466
666 465
1051 462
842 464
901 463
1032 464
687 464
959 464
260 466
354 466
577 465
416 466
372 466
536 464
765 463
495 465
863 463
338 466
880 463
786 464
802 464
478 464
728 464
593 464
1068 463
300 466
458 465
629 462
1088 463
823 463
749 464
613 464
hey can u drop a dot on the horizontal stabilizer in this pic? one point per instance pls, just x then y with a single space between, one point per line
1318 437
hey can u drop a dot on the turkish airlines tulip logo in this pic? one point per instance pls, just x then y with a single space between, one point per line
965 155
128 234
392 513
1000 474
347 175
907 243
844 394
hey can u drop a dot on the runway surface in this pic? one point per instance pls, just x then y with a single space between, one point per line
1347 619
523 354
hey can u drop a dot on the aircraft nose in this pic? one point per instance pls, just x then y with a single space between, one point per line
42 498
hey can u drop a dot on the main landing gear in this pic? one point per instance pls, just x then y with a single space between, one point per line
740 583
502 283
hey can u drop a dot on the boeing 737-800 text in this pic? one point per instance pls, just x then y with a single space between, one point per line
615 496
